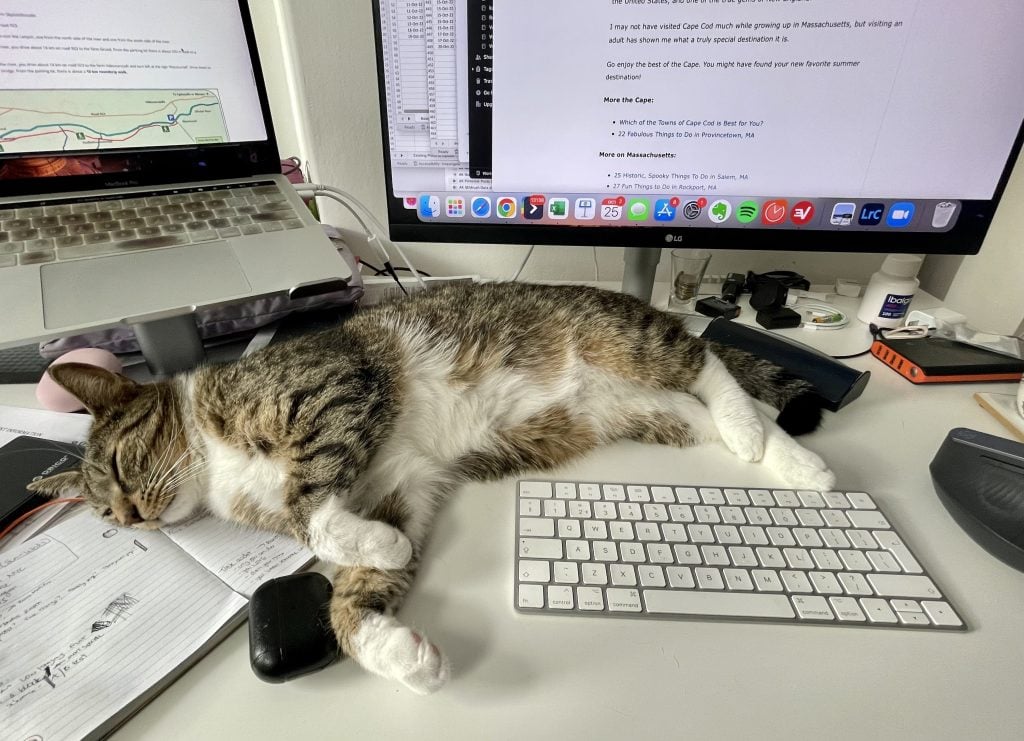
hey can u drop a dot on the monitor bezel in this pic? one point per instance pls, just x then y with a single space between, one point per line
965 238
173 164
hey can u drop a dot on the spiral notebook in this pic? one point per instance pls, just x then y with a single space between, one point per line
95 620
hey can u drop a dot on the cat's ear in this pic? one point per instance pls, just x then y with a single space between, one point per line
97 388
68 483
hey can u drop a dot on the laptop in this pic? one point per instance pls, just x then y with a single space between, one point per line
139 176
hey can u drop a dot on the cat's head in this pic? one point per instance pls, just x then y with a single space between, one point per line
137 468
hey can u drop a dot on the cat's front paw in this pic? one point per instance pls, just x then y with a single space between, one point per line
383 547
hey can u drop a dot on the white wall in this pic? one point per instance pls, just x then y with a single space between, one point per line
321 74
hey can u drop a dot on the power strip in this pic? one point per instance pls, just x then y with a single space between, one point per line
380 288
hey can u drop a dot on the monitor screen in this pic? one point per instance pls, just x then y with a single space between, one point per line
85 93
847 125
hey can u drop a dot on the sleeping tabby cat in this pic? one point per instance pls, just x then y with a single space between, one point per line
352 438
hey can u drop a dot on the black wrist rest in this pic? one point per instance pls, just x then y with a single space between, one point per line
837 383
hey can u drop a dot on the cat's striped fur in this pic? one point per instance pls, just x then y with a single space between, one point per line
350 439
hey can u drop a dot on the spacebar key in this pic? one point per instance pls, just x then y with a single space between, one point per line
727 604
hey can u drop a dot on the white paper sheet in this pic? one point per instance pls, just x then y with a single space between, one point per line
92 618
242 558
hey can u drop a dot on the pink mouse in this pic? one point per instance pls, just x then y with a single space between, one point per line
53 397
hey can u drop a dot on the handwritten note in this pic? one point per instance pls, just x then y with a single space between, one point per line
242 558
92 619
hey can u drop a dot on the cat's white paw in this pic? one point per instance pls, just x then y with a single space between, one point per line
744 437
386 647
801 468
381 546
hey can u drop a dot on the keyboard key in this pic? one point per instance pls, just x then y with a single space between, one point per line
647 531
555 508
708 578
860 500
652 576
868 519
701 533
560 598
680 577
633 553
854 584
796 582
594 573
613 493
638 494
590 598
824 583
835 518
900 585
663 494
655 513
687 555
567 572
892 542
589 491
580 510
847 609
941 613
623 600
630 511
861 539
569 529
737 497
659 553
565 491
577 550
674 533
766 580
529 507
681 513
537 489
811 499
622 575
812 608
531 595
687 495
538 526
742 556
605 550
712 496
883 561
737 580
621 530
727 535
714 555
878 611
534 571
540 547
595 530
725 604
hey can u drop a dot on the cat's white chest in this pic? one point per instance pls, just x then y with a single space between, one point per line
236 475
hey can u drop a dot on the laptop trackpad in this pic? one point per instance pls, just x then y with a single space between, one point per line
105 289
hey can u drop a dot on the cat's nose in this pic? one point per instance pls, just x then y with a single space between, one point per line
130 516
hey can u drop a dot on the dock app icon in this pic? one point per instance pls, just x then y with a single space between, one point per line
871 214
430 207
533 207
842 214
900 214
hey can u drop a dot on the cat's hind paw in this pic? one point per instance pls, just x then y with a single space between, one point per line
801 468
745 440
386 647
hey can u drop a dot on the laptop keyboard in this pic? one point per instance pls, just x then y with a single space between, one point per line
76 230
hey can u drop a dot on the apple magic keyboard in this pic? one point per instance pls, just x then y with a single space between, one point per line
633 550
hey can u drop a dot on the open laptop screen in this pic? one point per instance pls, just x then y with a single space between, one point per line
111 89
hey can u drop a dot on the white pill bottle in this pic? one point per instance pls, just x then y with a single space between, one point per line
890 291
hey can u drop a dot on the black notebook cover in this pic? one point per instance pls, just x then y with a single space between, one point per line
23 460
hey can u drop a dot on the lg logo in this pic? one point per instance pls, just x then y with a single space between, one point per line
673 238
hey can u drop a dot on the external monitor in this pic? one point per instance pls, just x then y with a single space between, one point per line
843 126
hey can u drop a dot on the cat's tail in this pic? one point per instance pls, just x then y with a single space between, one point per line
799 404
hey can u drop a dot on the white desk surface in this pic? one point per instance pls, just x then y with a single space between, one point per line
530 676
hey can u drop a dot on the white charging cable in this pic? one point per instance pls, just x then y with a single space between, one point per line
376 238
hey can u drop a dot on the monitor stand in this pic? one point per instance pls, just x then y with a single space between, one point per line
638 275
169 343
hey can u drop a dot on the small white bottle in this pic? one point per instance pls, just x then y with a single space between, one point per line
890 291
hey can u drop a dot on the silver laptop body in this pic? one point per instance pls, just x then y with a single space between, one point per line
120 244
